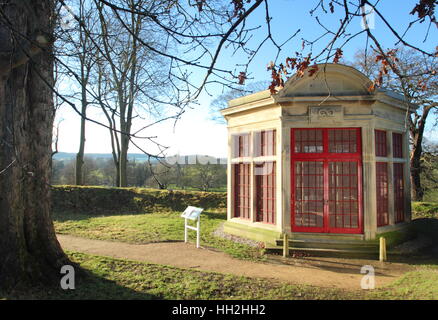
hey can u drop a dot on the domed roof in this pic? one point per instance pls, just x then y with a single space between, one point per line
330 79
331 82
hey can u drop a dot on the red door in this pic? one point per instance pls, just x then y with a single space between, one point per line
326 188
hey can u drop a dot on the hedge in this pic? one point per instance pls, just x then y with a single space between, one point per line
128 200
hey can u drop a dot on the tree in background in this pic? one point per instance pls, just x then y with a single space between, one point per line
208 176
429 170
419 85
221 102
162 176
76 50
133 72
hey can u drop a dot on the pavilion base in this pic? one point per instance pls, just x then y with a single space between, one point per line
267 236
323 244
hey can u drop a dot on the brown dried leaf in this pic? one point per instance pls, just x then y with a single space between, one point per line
242 78
338 55
313 69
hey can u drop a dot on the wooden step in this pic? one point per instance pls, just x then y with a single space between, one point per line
326 252
326 236
331 244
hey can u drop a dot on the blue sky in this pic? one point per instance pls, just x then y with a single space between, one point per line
195 132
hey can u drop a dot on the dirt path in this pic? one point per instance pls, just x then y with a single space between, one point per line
332 273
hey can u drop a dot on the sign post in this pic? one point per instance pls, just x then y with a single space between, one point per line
192 213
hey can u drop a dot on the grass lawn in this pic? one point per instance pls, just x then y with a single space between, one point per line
421 284
109 278
151 227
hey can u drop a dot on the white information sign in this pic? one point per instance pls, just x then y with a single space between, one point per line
192 213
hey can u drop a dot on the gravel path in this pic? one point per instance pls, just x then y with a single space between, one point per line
219 232
318 272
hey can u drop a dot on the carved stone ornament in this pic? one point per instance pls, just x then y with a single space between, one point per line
322 114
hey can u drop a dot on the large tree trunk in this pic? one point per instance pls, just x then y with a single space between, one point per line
29 250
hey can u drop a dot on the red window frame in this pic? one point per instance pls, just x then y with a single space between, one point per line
382 193
399 197
307 141
265 192
338 220
324 155
381 148
305 198
242 190
265 143
397 145
325 152
344 141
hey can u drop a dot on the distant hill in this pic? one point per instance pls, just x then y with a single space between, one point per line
70 155
140 157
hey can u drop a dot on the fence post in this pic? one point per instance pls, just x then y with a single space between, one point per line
382 256
185 230
198 232
285 245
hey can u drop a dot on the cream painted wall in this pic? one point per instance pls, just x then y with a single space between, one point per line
290 109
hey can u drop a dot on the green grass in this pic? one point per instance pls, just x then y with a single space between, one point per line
431 195
425 209
175 187
421 284
109 278
150 227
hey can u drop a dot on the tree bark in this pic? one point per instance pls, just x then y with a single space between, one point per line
85 66
417 132
29 250
124 76
80 154
123 161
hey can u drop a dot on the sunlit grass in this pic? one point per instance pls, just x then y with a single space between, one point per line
150 227
421 284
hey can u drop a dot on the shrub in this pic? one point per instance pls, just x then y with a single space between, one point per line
424 210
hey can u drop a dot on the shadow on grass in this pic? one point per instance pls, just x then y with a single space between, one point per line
63 216
346 265
426 228
88 286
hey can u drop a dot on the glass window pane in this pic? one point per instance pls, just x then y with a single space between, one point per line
380 143
265 192
309 194
397 145
342 140
308 141
343 195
